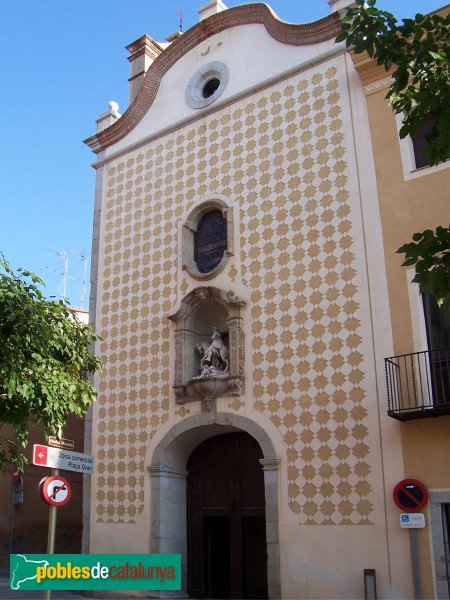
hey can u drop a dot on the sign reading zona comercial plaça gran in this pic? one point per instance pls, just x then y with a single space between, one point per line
60 458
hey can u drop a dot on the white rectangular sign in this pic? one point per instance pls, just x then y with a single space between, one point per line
58 458
412 520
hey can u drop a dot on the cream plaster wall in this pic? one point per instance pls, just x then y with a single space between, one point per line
251 55
406 206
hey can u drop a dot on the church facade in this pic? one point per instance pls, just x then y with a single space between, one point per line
241 291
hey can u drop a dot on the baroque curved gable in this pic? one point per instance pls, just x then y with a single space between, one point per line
249 14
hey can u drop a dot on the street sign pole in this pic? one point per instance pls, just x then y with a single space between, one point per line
51 533
412 496
52 524
415 564
60 457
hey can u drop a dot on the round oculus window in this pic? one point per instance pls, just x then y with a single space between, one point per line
207 84
210 87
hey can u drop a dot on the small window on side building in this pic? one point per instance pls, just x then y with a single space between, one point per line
420 144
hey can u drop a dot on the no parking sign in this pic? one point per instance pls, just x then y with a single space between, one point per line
410 495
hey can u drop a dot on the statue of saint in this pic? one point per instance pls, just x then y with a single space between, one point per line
214 360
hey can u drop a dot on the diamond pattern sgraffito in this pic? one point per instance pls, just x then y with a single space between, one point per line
280 155
297 258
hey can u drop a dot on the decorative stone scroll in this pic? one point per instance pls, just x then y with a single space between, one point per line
209 346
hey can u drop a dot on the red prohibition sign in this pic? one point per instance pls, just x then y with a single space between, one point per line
410 495
55 490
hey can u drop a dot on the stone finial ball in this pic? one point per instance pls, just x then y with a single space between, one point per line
113 107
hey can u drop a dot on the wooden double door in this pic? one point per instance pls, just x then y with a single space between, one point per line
227 552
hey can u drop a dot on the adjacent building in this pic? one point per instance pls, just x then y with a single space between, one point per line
412 196
248 206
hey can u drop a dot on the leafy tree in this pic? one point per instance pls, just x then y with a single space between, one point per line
430 253
417 54
44 353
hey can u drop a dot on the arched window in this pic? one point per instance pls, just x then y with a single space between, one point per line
208 239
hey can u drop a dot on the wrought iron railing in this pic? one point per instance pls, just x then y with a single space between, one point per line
418 385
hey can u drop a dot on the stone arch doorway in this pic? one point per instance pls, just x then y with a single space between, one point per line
226 522
168 476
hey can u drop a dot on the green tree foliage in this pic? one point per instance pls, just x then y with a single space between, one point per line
44 354
417 53
430 253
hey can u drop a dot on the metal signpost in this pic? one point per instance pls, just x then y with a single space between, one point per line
412 496
56 490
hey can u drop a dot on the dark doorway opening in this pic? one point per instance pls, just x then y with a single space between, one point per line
217 557
437 322
227 551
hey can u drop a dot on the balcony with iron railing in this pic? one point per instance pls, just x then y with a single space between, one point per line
418 385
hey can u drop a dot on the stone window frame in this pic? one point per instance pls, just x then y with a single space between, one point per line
190 228
206 73
436 500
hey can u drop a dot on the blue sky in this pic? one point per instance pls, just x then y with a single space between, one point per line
60 63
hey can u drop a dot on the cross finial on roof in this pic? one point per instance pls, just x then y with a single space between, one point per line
182 15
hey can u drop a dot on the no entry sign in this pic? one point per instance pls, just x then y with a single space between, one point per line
410 495
55 490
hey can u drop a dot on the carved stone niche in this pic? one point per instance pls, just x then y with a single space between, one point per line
209 346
